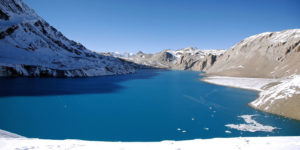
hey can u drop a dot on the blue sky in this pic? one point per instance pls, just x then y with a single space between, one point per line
154 25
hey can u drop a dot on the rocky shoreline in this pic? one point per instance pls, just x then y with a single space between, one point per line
276 96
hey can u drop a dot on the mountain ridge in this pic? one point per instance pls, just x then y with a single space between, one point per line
188 58
265 55
32 47
274 55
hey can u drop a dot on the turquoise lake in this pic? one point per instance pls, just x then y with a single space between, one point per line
150 105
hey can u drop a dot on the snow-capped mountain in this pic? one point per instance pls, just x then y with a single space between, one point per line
29 46
182 59
194 51
118 54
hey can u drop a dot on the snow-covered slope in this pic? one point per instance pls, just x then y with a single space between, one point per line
29 46
182 59
265 55
282 98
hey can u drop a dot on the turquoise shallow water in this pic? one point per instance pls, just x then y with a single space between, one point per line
147 106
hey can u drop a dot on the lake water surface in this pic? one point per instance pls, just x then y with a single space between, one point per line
151 105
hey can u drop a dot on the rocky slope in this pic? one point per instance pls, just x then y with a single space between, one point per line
29 46
266 55
183 59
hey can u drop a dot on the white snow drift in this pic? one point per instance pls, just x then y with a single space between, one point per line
13 142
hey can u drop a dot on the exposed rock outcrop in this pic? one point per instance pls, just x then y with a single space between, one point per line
192 62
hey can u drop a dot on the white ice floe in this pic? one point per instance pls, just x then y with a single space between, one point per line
251 125
227 131
245 83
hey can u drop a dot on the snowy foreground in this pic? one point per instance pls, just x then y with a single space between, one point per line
11 141
257 143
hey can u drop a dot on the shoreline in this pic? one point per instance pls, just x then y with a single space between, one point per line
271 92
239 82
203 80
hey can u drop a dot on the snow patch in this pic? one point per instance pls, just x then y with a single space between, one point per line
245 83
288 87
